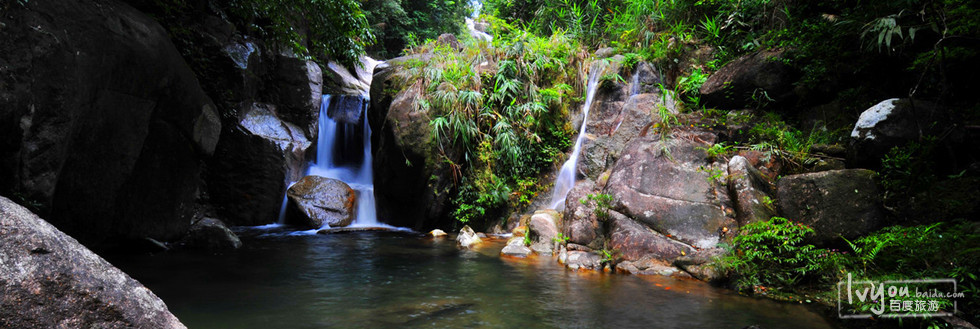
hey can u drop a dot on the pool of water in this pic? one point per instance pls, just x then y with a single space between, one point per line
386 280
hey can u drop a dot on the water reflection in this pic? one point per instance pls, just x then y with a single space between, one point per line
398 280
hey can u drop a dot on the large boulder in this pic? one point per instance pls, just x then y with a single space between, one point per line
836 203
300 84
752 77
252 165
49 280
890 123
677 192
544 230
752 190
315 201
412 180
103 126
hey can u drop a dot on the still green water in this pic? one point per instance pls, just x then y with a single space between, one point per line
398 280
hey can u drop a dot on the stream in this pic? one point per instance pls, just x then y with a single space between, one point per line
283 279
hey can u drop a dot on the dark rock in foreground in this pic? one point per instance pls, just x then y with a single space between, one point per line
49 280
315 200
103 124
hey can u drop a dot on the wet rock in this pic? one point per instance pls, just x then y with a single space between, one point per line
647 266
674 194
49 280
315 201
544 229
635 241
437 233
583 260
253 161
300 83
104 125
581 225
515 248
339 80
890 123
647 80
835 203
613 124
756 75
467 238
706 272
752 190
412 180
211 234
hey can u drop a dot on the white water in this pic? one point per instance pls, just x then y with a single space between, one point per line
566 177
334 162
471 25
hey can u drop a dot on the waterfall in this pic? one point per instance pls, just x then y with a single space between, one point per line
566 177
344 151
471 24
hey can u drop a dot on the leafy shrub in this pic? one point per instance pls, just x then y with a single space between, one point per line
773 254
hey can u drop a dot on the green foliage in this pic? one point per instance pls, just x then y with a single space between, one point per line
782 141
334 29
602 202
718 151
398 24
773 254
560 238
905 171
508 124
527 236
938 250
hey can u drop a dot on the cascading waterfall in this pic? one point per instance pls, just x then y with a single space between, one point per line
471 24
566 177
344 151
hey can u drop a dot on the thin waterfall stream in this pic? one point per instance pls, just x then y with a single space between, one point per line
566 176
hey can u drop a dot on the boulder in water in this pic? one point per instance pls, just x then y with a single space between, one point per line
315 201
544 230
49 280
437 233
515 248
211 234
467 238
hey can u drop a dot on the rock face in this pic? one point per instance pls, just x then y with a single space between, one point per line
412 182
581 225
211 234
634 240
103 124
835 203
675 195
252 163
733 86
753 192
49 280
544 230
886 125
300 84
315 201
